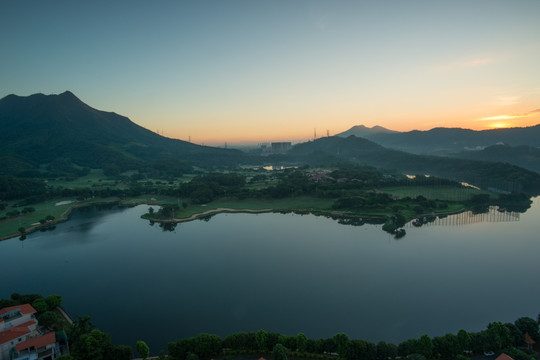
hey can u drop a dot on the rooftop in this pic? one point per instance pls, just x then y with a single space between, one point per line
16 331
24 309
38 342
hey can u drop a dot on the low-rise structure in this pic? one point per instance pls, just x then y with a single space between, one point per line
20 337
43 347
17 324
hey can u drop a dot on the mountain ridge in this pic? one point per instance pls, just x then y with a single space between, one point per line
38 129
334 150
448 141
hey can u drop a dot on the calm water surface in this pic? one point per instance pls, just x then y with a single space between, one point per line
285 273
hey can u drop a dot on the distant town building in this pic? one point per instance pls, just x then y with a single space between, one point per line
281 147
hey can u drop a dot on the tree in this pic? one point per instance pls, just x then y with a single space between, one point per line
260 339
142 349
527 325
122 352
81 326
407 347
22 230
360 349
386 351
301 342
53 301
95 345
425 346
446 346
48 318
464 340
499 336
40 305
207 345
279 352
341 341
517 335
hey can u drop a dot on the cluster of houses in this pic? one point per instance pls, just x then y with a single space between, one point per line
21 337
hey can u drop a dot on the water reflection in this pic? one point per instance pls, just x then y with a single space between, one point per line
286 273
492 215
476 215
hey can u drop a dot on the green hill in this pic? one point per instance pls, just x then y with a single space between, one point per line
39 129
333 150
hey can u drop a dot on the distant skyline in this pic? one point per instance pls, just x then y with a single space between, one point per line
260 71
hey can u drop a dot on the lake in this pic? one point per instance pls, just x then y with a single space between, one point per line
281 272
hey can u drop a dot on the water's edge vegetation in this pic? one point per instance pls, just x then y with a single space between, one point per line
88 342
351 195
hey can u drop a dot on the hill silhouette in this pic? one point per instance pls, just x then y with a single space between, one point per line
527 157
446 141
333 150
40 129
366 132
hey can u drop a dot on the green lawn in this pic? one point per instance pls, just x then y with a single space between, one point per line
57 208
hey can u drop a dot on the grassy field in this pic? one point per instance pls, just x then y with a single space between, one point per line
60 208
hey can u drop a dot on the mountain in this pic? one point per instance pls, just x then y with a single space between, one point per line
39 129
527 157
365 132
334 150
446 141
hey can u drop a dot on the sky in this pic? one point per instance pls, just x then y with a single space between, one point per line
229 71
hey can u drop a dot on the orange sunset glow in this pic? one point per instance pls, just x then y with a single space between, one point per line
238 71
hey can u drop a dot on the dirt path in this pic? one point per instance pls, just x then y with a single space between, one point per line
213 212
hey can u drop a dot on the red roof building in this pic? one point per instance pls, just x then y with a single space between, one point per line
503 356
17 331
14 311
37 343
17 324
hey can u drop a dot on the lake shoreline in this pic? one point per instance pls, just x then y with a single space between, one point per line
362 217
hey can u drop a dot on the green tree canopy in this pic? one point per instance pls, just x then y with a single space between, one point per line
279 352
528 325
142 349
53 301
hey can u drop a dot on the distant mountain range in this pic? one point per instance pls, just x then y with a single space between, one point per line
446 141
463 143
366 132
39 129
43 135
335 150
527 157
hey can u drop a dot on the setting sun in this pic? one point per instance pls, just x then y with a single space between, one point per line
500 125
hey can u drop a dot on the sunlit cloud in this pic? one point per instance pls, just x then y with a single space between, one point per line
477 62
509 117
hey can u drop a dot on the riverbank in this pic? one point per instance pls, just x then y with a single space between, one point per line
60 210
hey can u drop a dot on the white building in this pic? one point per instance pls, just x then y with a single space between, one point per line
17 324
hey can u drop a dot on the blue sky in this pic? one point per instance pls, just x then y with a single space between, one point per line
220 71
